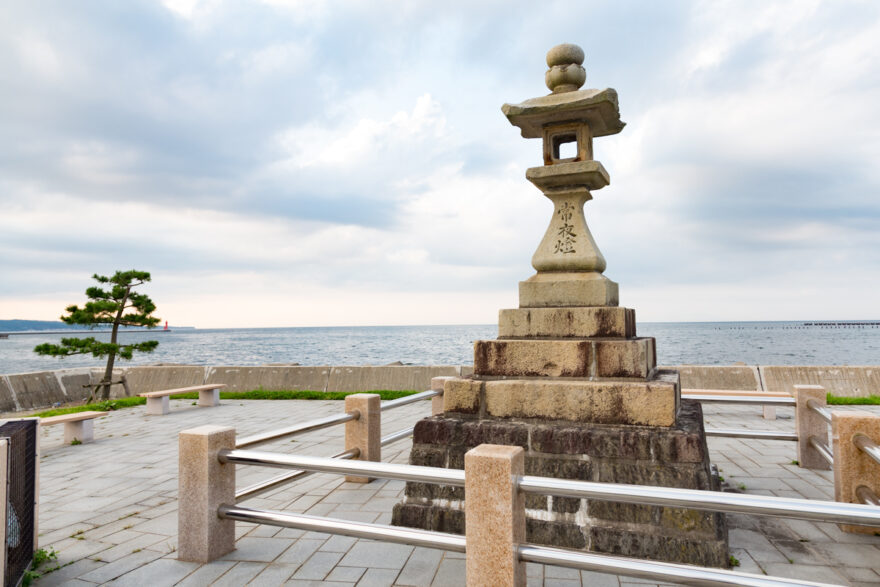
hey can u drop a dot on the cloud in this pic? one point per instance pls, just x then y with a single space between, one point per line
352 157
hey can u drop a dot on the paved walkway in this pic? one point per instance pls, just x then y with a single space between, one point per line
110 508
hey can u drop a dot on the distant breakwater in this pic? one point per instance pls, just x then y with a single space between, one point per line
34 391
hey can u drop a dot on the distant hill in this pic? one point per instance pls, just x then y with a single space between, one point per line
23 325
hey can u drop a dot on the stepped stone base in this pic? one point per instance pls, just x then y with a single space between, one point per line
676 456
654 402
633 358
607 321
567 289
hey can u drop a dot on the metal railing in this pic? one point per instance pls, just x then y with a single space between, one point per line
730 398
644 569
863 493
275 482
754 434
823 449
718 501
656 496
343 463
318 424
867 446
823 412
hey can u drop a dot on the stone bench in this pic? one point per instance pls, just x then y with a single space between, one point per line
77 426
158 404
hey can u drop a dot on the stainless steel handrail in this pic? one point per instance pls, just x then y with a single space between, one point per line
827 511
327 465
867 446
755 434
683 574
740 399
410 399
395 436
867 497
643 569
819 409
714 501
302 428
396 534
823 449
275 482
269 484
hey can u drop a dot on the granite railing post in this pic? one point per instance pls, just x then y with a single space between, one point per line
852 467
365 432
4 497
495 515
204 484
437 401
810 424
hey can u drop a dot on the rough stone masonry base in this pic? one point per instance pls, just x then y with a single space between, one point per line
669 457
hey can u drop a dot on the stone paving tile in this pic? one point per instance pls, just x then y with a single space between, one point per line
377 555
207 574
338 544
450 573
257 549
300 551
240 574
318 566
65 574
820 574
421 567
594 579
120 567
273 575
346 574
159 573
378 578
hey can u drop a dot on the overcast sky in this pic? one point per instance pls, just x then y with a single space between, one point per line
310 163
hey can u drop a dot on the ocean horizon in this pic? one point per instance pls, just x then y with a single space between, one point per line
803 342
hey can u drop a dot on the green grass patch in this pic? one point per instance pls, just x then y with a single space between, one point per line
129 402
385 394
835 400
108 406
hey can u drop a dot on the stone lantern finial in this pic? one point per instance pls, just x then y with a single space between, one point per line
566 73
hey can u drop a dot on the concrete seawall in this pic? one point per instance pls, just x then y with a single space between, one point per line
32 391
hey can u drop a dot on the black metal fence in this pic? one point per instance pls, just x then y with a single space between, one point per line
21 485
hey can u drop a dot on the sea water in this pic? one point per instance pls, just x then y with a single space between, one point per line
698 343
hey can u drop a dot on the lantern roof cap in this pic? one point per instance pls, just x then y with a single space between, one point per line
598 108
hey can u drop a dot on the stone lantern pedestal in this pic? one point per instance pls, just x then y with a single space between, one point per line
567 378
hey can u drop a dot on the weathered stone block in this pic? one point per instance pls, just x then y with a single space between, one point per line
625 358
533 358
553 533
658 546
429 517
462 396
555 290
630 513
651 403
584 322
691 521
475 433
672 457
438 430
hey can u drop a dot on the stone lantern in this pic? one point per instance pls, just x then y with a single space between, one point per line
567 378
568 262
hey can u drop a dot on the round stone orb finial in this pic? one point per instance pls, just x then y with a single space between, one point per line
566 73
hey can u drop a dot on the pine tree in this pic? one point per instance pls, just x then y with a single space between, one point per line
118 306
